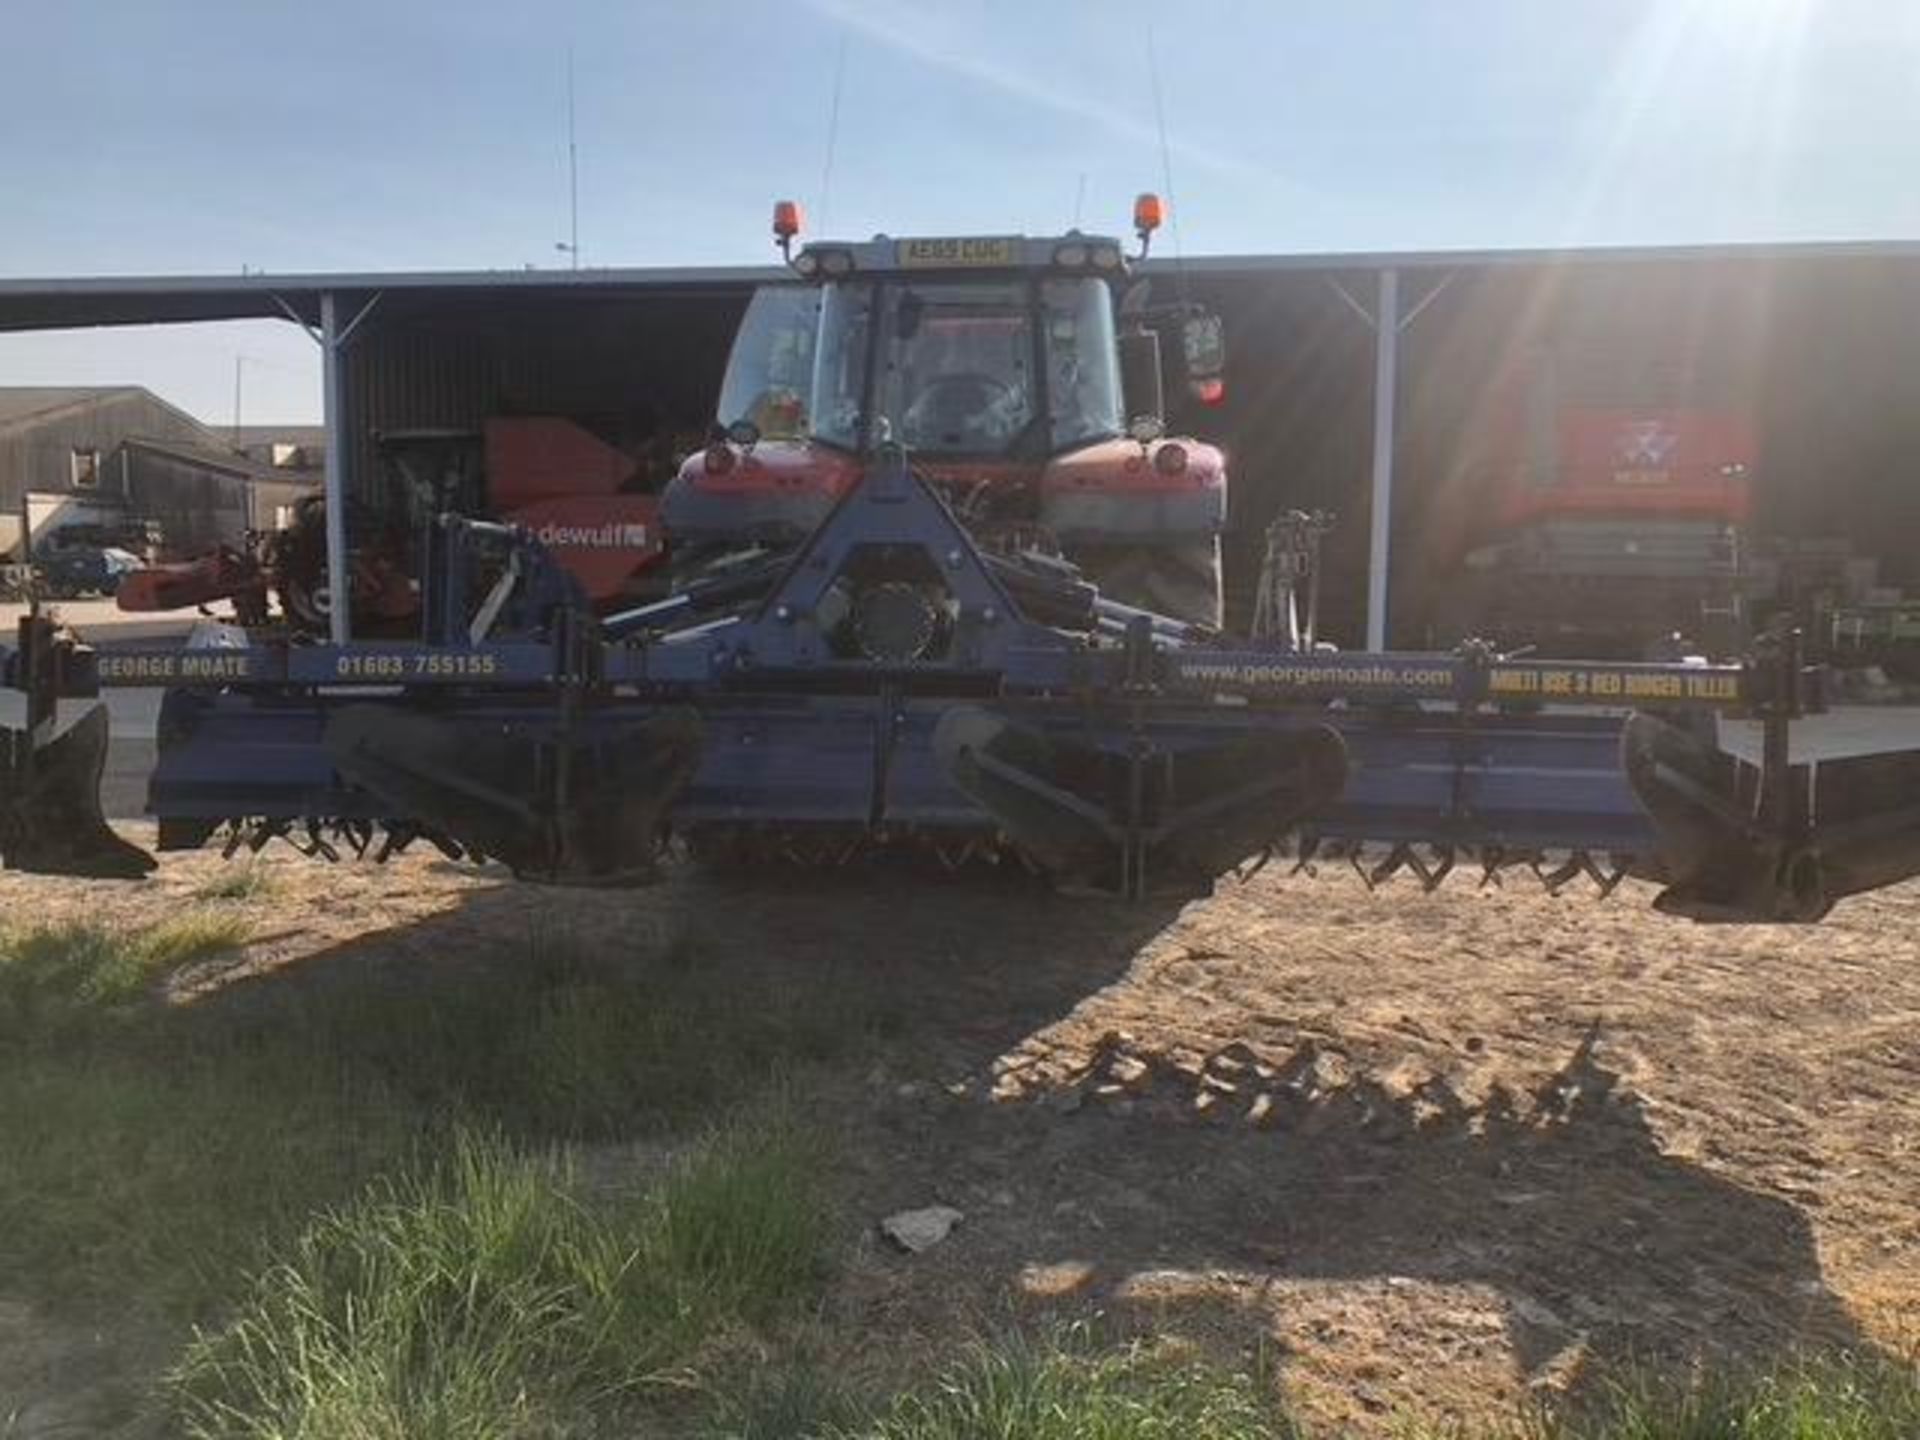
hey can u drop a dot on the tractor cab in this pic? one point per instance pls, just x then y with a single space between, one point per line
1022 375
1009 363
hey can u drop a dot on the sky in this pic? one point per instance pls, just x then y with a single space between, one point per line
211 136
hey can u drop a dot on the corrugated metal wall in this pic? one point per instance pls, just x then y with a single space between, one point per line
1825 353
631 367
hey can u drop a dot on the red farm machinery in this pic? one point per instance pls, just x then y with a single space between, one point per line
592 505
943 586
1612 514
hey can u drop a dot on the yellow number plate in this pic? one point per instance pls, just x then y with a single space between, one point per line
979 252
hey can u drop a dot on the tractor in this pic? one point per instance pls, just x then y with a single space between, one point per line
1023 375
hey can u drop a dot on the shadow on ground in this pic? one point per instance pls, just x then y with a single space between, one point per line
1251 1195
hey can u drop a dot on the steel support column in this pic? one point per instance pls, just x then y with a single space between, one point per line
333 338
1386 376
339 620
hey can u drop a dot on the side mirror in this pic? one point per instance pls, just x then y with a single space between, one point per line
1203 353
1140 381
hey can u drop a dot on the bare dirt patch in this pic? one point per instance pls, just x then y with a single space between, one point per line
1429 1152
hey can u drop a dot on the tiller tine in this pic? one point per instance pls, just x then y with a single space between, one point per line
1224 802
585 810
1048 794
1724 853
50 817
1134 819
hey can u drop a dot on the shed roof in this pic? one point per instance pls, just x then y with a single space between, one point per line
59 303
62 303
23 404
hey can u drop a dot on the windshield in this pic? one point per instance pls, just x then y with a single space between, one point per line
840 367
771 367
987 367
1083 383
955 367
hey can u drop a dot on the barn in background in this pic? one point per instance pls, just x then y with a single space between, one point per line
198 497
121 463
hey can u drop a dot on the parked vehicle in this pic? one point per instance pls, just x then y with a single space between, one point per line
73 572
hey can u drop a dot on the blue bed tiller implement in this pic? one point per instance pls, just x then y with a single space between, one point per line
903 677
988 708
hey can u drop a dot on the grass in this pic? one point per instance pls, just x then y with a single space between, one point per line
798 1400
357 1186
1832 1397
486 1298
743 1223
244 880
157 1148
152 1190
1066 1387
1071 1391
1062 1386
144 1168
121 1174
59 981
553 1041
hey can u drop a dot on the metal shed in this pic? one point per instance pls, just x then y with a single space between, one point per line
1325 407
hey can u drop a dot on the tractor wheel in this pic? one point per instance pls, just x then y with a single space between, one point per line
1179 580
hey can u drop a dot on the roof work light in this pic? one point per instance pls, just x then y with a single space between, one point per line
786 223
1149 213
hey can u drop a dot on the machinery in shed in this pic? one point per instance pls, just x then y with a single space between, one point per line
1611 512
590 504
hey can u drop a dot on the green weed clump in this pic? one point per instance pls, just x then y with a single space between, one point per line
1832 1397
1065 1388
58 982
485 1297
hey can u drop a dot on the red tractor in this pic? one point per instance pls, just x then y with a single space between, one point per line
1021 375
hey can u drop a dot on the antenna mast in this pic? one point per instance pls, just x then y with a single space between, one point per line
573 172
833 134
572 247
1166 158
